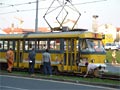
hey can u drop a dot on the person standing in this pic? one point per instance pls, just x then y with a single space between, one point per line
31 58
10 59
47 63
114 57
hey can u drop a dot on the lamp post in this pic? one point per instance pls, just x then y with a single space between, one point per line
36 20
95 23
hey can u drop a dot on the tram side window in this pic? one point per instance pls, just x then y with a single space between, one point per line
32 44
10 44
43 44
26 45
39 44
29 45
1 45
55 44
83 45
5 45
69 45
65 44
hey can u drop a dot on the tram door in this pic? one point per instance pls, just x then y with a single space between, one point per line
18 53
70 48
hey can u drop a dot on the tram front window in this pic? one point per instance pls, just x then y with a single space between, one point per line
91 45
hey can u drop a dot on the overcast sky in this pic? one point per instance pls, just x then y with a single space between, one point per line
107 10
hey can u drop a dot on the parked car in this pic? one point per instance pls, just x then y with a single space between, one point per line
118 46
110 46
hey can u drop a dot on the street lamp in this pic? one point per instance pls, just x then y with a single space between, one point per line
95 23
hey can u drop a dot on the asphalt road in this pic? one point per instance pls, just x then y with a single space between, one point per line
25 83
113 68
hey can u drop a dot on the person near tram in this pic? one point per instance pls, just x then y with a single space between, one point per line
46 57
31 59
10 59
92 69
114 57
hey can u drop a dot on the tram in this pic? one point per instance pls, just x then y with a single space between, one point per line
69 50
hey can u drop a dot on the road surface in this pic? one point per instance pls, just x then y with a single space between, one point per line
25 83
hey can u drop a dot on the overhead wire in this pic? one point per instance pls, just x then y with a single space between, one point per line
25 10
90 2
12 5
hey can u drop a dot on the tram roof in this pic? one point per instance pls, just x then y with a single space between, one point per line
11 36
71 34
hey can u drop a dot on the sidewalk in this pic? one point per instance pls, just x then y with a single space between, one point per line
116 64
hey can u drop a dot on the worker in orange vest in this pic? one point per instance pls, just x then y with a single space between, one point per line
10 59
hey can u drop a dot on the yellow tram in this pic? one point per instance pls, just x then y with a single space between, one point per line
69 50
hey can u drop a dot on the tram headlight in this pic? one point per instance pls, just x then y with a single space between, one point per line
83 61
105 61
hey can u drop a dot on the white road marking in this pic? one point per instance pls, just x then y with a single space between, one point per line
109 88
13 88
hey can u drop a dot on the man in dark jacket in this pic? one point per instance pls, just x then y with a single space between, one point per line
31 57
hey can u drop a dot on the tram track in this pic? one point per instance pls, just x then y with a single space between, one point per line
102 76
111 77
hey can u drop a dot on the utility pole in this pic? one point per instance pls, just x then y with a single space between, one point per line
36 20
